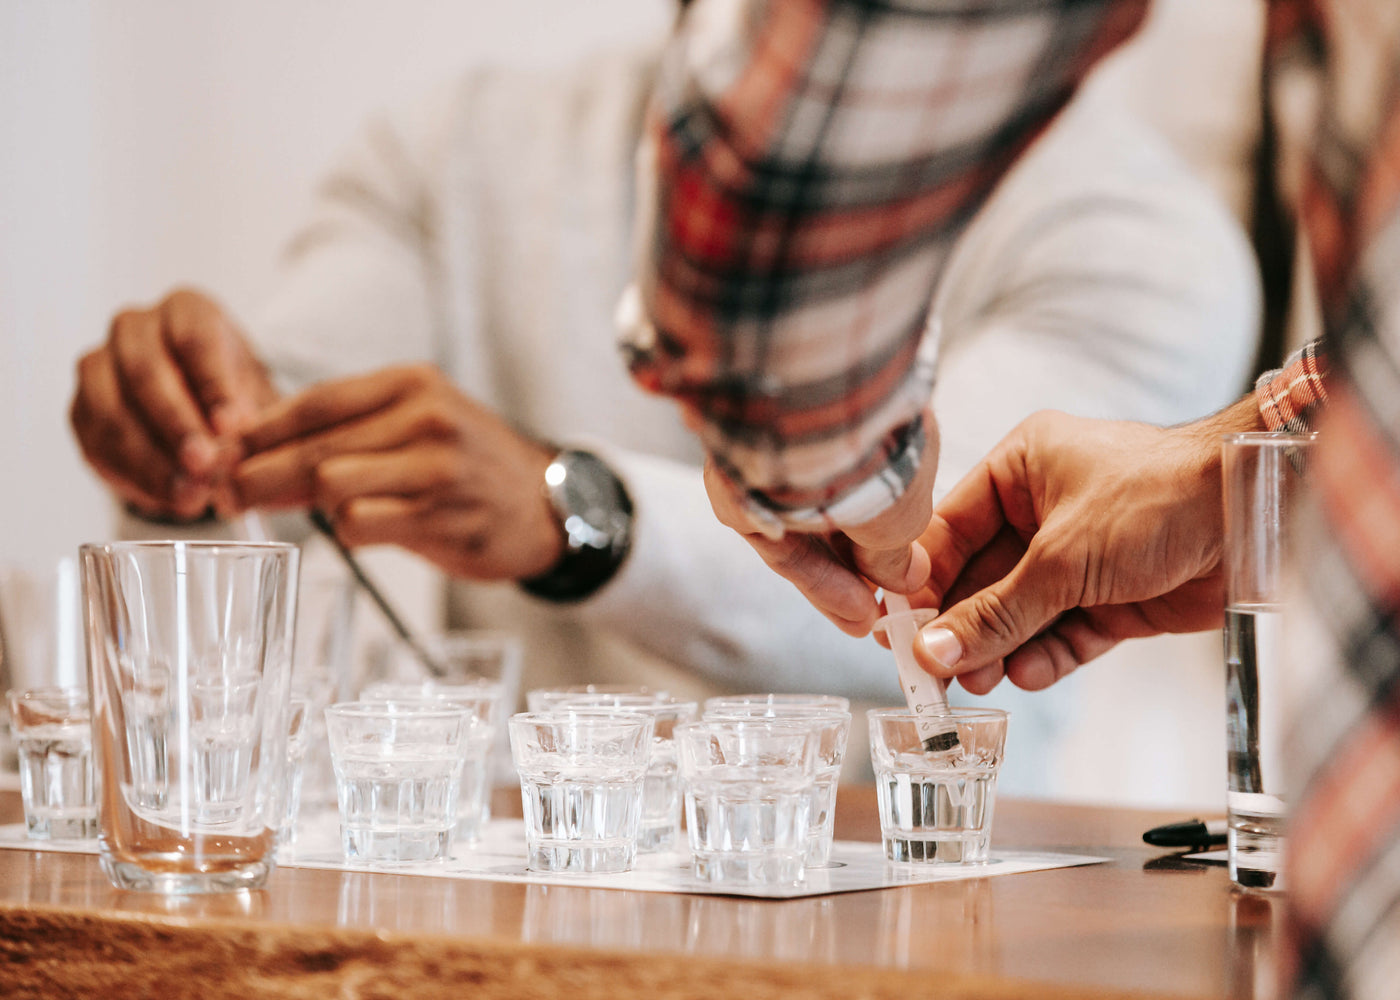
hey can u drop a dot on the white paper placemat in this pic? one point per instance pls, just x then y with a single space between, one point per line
500 857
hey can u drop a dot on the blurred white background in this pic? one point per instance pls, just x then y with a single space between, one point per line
145 143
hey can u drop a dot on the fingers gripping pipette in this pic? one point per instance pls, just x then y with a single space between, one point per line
924 692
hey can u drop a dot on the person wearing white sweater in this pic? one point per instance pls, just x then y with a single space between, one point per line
445 326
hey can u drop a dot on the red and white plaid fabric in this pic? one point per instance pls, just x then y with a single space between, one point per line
812 164
1343 863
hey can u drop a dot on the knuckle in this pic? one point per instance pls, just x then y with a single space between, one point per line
994 617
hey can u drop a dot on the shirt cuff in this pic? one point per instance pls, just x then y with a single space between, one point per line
1289 397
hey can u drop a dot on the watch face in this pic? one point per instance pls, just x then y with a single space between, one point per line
590 491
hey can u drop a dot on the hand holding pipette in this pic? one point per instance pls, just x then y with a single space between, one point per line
924 692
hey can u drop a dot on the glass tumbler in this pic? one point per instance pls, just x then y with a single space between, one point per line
398 769
483 701
189 664
1262 483
832 728
581 779
661 794
52 729
748 794
936 806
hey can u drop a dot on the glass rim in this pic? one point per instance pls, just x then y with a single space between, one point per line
205 544
963 713
1284 438
780 698
48 691
590 714
388 709
760 724
801 715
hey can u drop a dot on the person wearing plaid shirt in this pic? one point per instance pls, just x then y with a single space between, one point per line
812 162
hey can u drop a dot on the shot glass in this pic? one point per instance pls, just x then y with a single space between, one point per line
936 806
581 779
189 663
748 796
398 770
483 701
832 728
52 729
1262 484
298 741
661 794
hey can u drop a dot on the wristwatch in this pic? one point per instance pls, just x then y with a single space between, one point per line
594 512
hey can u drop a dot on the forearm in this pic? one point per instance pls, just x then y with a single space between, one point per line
792 250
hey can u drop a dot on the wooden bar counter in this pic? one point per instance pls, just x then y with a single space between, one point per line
1140 926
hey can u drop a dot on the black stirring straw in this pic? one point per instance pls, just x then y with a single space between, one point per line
420 652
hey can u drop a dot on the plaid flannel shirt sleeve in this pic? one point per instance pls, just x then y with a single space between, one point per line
1290 397
805 170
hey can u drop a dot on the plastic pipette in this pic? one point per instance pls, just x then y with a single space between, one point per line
923 691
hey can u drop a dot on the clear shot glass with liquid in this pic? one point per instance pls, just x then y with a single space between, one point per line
398 771
582 774
748 797
52 728
832 727
936 807
484 701
1263 477
661 792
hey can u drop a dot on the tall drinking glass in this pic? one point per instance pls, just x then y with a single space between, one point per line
189 662
1263 478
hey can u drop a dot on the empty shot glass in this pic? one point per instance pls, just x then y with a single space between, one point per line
661 794
832 728
748 793
581 778
483 700
398 768
189 665
936 806
52 728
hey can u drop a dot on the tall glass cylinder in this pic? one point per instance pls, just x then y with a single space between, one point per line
189 666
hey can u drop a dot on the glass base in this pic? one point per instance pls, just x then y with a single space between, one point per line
126 875
546 856
1256 852
940 849
62 827
657 839
374 846
750 869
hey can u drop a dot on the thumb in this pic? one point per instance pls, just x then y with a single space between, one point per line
997 620
902 570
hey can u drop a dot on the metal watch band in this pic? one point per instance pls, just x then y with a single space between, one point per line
594 512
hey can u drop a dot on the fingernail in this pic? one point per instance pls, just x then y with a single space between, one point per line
941 645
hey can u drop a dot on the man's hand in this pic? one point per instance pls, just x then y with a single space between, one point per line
158 406
839 572
1071 536
401 457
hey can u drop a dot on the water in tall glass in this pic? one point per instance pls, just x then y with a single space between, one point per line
1254 800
